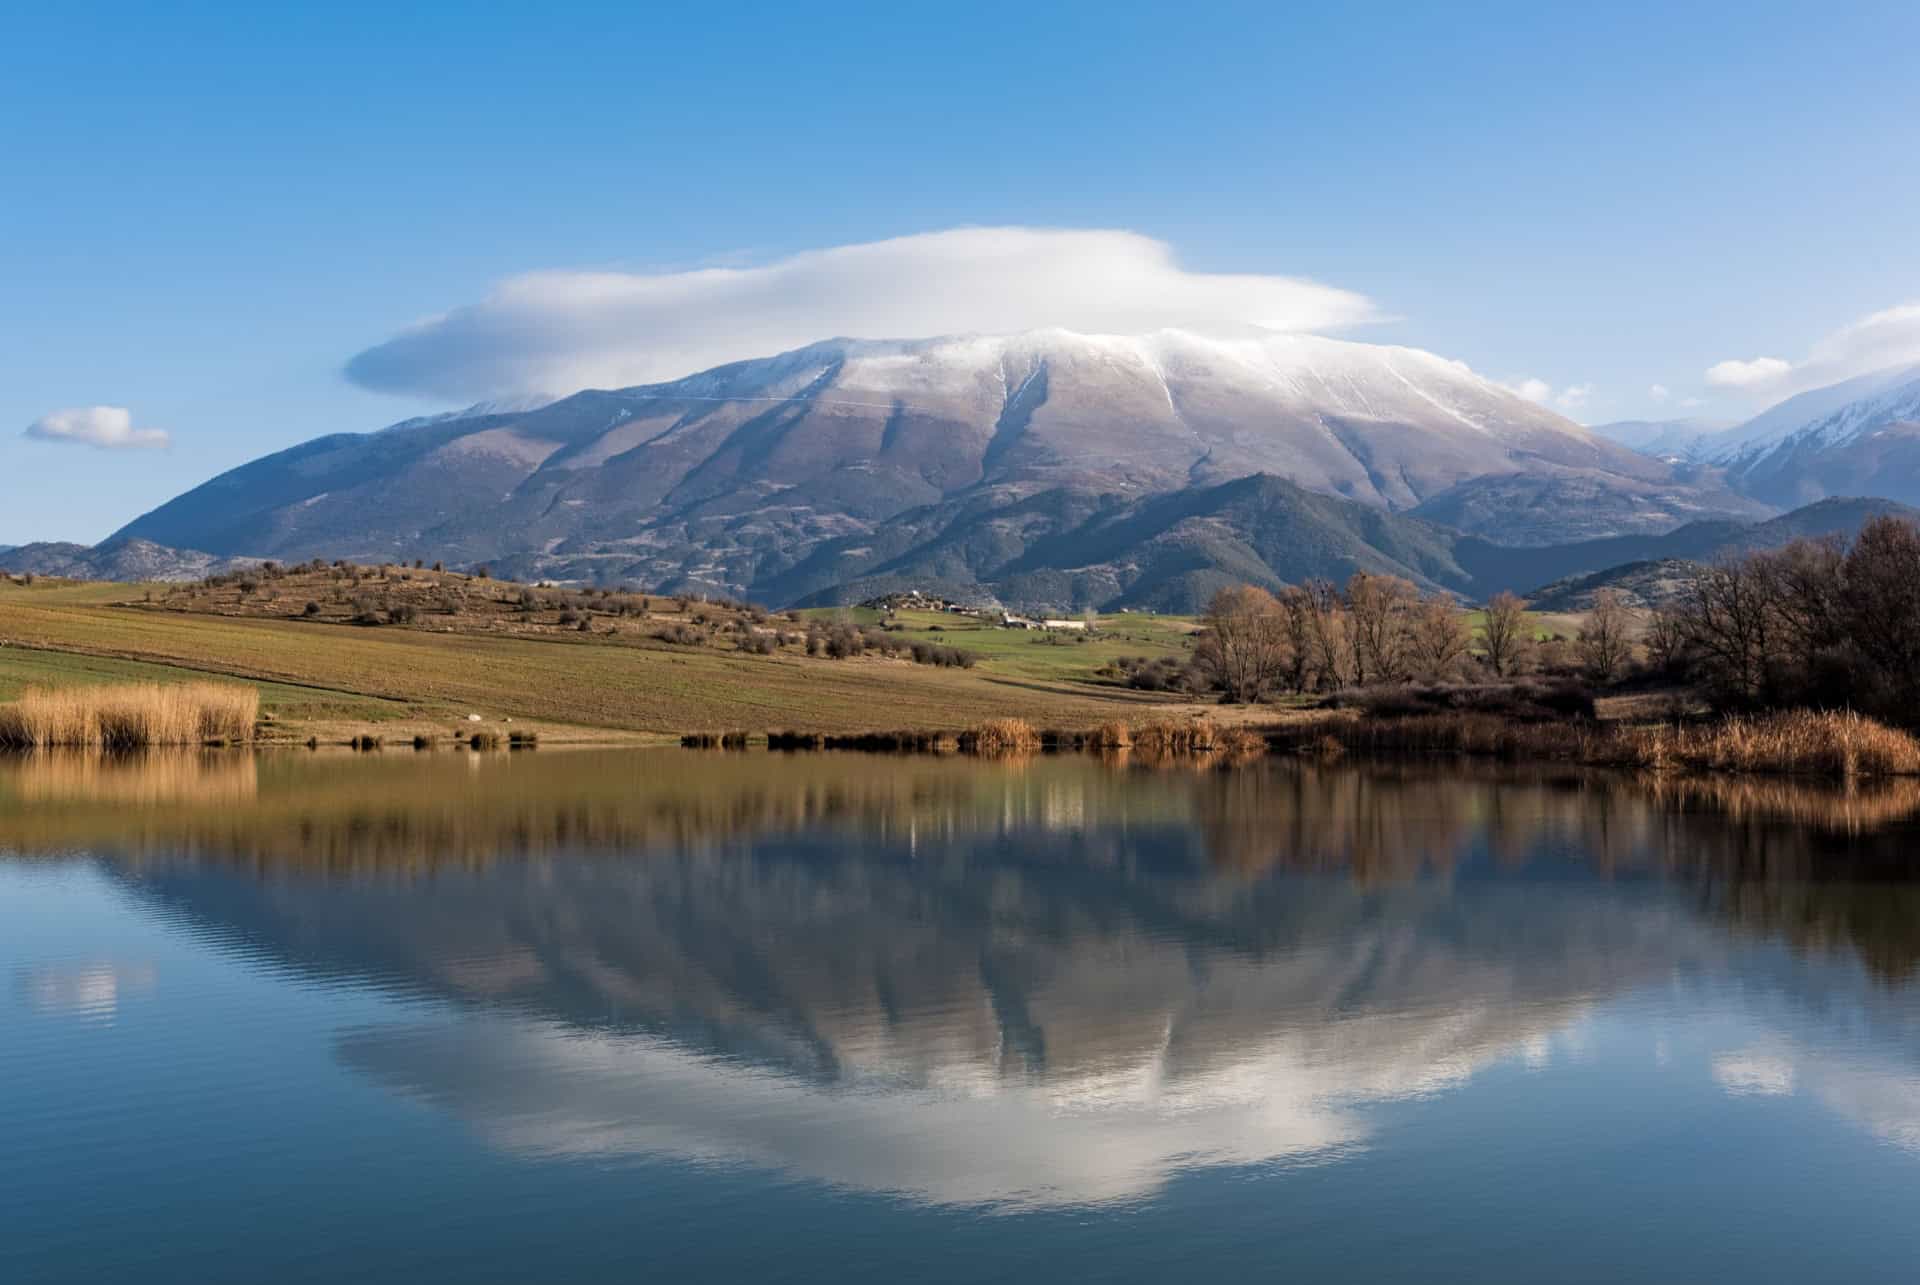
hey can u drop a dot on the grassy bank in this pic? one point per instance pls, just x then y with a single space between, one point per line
130 717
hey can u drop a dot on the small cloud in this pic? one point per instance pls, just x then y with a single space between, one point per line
1659 392
1877 341
559 330
1569 399
1691 402
107 428
1757 374
1574 397
1534 390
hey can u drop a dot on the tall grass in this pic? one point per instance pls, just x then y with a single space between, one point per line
134 716
1000 736
1199 736
1796 742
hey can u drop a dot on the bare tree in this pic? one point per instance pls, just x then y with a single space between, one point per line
1296 619
1804 581
1331 652
1667 642
1603 643
1244 650
1379 608
1438 638
1879 606
1505 636
1730 623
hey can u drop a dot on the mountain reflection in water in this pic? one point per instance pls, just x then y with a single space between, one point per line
1055 982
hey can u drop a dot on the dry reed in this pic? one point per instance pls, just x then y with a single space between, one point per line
1197 737
1796 742
1000 736
134 716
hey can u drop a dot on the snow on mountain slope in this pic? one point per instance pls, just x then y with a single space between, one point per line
1868 446
736 473
1772 426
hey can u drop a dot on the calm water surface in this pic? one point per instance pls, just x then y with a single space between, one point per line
749 1017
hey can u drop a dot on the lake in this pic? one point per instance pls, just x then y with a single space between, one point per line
756 1017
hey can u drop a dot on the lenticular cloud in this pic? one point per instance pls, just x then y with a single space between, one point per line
555 332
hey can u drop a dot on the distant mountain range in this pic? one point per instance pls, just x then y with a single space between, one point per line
1046 469
1663 438
116 559
1857 437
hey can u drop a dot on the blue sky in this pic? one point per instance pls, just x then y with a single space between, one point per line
207 210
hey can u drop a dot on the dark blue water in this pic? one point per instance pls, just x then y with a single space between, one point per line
630 1016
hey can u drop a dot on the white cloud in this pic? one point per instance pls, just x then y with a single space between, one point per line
1758 373
1574 397
1534 390
561 331
1659 392
1890 337
109 428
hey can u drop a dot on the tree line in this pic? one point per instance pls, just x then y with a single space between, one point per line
1821 624
1377 630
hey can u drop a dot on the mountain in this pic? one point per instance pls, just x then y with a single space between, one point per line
1492 567
1168 552
120 558
1640 584
1767 430
1548 506
740 479
1860 436
1662 438
1867 446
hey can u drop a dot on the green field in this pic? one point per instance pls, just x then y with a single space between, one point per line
1037 654
308 671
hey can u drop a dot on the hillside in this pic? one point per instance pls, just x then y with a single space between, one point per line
738 479
1640 584
1494 567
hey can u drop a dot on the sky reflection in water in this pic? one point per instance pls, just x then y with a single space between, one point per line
1055 985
